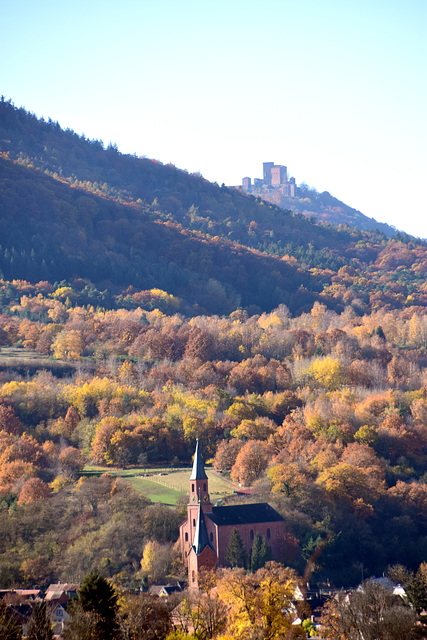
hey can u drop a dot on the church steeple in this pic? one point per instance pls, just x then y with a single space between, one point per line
199 483
198 472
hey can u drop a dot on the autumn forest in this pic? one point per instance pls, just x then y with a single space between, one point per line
149 307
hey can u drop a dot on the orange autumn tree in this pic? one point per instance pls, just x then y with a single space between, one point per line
251 462
226 454
8 420
13 473
33 490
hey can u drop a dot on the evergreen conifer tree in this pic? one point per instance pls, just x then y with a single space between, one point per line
416 591
256 560
236 554
98 597
260 553
265 552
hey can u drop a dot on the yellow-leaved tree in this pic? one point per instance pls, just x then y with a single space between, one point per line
327 372
68 345
155 561
258 603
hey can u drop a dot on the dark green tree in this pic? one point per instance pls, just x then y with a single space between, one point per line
98 597
265 552
236 553
40 625
416 590
255 559
9 628
260 553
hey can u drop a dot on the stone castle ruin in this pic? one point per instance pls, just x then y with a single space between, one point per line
274 175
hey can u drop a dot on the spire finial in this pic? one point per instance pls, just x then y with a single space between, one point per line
198 472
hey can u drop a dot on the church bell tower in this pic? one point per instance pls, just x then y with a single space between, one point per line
199 493
199 483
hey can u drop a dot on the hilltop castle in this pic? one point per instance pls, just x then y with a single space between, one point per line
274 175
204 536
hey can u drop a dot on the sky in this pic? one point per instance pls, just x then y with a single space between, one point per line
336 90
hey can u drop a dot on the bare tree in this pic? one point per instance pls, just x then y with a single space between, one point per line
370 613
144 617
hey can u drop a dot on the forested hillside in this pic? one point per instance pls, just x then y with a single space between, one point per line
295 351
323 206
69 208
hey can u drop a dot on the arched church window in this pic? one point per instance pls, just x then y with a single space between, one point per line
204 486
186 537
193 576
194 522
268 534
192 488
252 534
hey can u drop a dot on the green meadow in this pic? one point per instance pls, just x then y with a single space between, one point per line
165 485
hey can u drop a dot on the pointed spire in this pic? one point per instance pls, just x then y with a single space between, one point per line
198 472
201 537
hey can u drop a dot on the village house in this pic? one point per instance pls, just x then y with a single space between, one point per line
58 597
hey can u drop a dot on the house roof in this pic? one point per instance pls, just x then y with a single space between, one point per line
244 514
168 590
63 586
384 582
54 595
165 589
155 589
61 591
24 593
198 472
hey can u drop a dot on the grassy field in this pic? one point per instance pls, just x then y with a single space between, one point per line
154 491
165 485
27 360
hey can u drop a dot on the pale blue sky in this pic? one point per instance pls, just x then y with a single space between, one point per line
334 89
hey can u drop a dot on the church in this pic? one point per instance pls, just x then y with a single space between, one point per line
204 536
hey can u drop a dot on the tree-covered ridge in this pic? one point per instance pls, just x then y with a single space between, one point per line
176 195
117 220
323 206
183 197
51 231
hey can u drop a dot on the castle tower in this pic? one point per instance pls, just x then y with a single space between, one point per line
279 175
266 172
